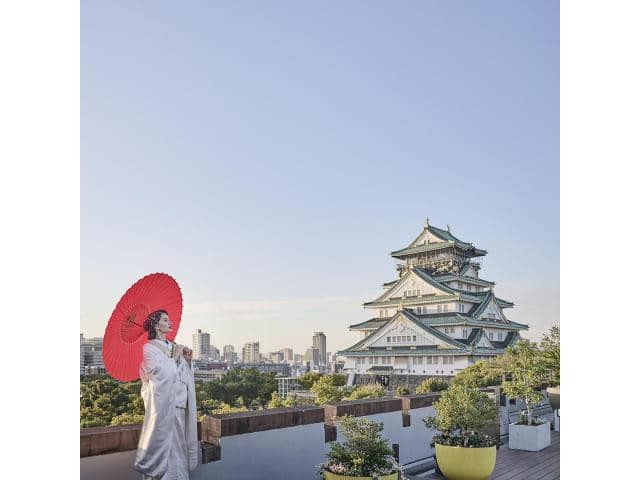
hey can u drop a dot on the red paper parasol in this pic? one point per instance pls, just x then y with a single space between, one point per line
125 336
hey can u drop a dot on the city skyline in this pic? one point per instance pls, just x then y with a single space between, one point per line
268 167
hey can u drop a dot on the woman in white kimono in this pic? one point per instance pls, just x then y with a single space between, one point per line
168 445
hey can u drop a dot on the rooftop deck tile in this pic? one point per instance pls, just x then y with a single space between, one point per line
520 465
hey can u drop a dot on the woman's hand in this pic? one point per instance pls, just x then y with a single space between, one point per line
187 353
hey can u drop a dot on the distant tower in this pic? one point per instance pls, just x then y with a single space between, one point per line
288 354
92 355
228 354
81 354
201 345
251 352
320 342
312 356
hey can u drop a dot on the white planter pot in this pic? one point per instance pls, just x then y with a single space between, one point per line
530 438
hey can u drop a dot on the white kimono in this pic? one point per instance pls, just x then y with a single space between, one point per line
168 445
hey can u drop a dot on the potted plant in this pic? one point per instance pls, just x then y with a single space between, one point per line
462 451
527 371
364 455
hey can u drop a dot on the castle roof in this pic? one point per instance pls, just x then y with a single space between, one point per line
441 320
446 240
453 293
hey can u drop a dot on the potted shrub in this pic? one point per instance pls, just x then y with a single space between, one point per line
527 371
363 455
462 451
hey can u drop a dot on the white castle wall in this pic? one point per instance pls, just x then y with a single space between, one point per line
404 365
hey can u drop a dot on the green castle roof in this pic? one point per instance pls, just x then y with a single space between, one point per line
441 320
448 240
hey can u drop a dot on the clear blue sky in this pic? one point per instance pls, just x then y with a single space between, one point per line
269 155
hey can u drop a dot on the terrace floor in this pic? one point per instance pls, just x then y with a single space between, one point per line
520 465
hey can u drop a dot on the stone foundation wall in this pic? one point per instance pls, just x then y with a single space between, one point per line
395 381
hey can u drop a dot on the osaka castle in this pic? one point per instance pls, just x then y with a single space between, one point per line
437 318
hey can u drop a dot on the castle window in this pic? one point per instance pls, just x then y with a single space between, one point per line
435 360
439 308
429 360
414 338
499 335
461 307
490 335
388 339
465 333
446 308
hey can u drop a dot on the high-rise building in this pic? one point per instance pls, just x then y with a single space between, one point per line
287 354
201 345
276 357
92 355
215 353
437 318
251 352
228 354
298 358
312 357
81 354
320 342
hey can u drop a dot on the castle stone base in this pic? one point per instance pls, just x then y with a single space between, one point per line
393 381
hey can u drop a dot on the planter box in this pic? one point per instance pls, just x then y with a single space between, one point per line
530 438
461 463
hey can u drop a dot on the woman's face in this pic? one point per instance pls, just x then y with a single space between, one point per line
164 324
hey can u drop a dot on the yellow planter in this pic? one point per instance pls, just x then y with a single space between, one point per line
460 463
333 476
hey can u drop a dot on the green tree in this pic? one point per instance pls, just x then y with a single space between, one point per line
244 386
103 398
307 380
461 413
127 419
432 385
278 402
325 391
367 391
482 374
338 379
526 368
402 391
550 347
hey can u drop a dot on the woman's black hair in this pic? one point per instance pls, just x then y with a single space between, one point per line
151 322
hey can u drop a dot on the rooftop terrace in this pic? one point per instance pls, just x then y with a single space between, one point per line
520 465
289 443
